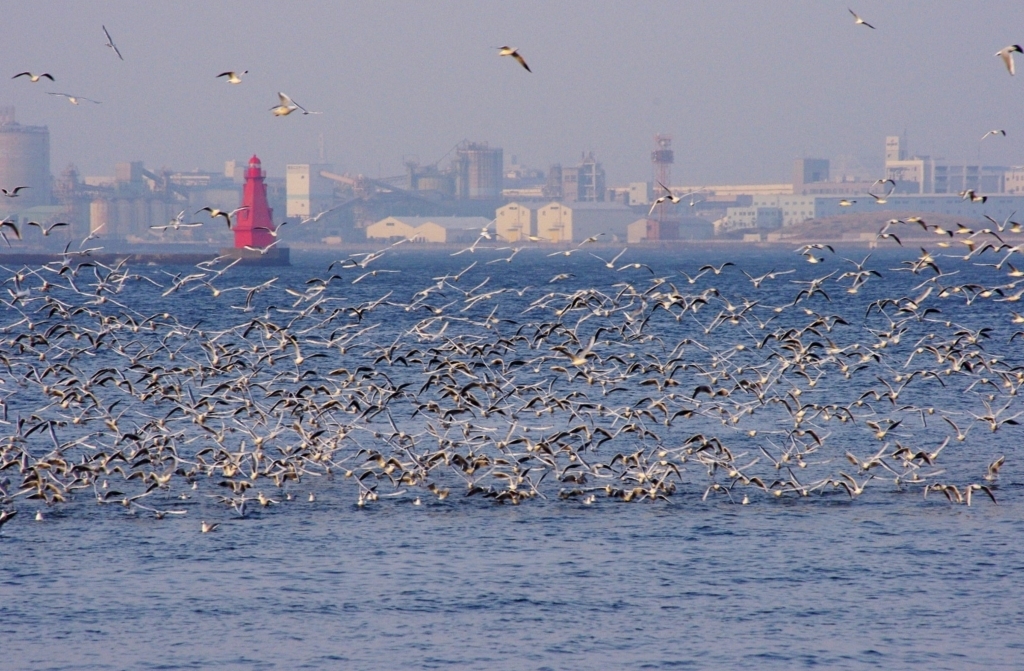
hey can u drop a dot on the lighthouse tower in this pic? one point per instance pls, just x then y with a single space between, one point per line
253 225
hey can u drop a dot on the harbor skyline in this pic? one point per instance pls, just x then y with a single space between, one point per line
737 85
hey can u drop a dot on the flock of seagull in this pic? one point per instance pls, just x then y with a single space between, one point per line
720 384
639 388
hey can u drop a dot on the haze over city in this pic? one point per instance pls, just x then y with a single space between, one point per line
743 87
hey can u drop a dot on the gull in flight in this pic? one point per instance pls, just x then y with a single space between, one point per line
34 78
994 132
859 21
316 217
176 223
110 43
1006 53
288 106
514 53
13 193
74 100
232 76
669 196
214 213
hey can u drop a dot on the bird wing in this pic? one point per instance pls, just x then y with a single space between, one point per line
1007 57
285 100
22 74
522 61
225 74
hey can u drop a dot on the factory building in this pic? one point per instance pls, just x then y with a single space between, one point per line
307 191
440 230
479 171
575 222
24 161
651 230
514 222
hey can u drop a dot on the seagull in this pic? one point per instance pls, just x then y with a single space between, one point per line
233 77
274 232
846 203
316 218
514 53
214 213
6 515
34 78
859 21
13 193
46 230
288 106
110 43
74 100
206 528
1006 53
994 132
261 250
669 196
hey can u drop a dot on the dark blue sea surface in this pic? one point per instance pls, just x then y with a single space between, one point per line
719 525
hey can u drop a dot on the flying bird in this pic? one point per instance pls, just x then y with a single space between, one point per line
514 53
214 213
669 196
1006 53
859 21
233 77
994 132
74 100
13 193
110 43
46 230
288 106
34 78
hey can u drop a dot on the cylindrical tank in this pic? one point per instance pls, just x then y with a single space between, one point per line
484 173
99 218
24 160
124 218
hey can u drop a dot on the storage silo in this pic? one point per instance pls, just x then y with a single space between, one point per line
25 160
481 171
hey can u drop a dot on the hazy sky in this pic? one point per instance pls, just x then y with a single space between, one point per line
743 86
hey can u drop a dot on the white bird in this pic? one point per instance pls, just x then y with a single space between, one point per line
110 43
233 77
74 100
34 78
514 53
1006 53
859 21
994 132
669 196
288 106
206 528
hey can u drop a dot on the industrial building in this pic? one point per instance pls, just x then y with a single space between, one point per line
307 191
575 222
686 228
515 222
769 213
24 161
440 230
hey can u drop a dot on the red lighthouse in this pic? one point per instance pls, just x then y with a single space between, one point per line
253 225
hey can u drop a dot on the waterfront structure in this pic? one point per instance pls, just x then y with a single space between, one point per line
575 222
254 224
24 161
514 222
439 230
308 192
